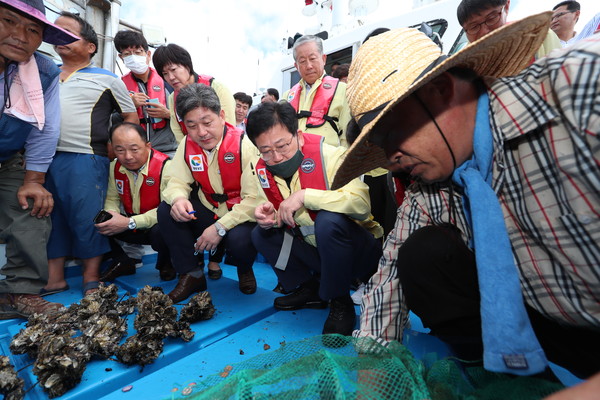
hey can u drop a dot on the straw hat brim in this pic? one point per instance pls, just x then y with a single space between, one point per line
503 52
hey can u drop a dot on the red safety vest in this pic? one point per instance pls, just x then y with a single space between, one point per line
207 80
155 88
317 116
311 173
150 190
230 167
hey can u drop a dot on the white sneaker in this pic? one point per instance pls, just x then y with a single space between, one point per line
357 296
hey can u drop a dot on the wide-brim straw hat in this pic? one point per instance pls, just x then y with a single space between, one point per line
35 10
390 66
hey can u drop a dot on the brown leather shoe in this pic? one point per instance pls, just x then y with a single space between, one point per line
14 305
247 282
118 269
166 271
186 286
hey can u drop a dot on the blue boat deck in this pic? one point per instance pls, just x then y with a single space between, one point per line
242 327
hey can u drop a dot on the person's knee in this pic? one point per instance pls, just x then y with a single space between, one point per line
258 235
163 211
329 224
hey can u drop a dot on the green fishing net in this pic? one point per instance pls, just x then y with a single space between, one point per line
339 367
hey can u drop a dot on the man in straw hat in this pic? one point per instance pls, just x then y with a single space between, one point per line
29 121
506 200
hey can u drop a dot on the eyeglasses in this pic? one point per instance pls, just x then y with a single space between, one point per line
560 14
490 21
282 150
138 52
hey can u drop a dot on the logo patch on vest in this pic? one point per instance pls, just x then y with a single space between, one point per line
196 163
326 86
119 183
229 158
308 165
262 177
156 88
291 95
150 181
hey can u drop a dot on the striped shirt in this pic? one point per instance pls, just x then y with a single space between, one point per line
546 173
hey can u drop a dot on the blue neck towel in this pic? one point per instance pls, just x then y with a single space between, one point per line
509 343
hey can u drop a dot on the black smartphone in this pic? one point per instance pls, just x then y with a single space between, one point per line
102 216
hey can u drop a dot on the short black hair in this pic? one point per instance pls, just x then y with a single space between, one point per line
243 98
467 8
126 38
273 92
572 5
270 114
136 127
341 71
87 31
172 54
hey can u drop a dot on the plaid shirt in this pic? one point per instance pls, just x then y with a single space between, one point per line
546 173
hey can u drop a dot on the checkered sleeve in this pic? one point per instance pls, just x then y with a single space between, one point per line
384 313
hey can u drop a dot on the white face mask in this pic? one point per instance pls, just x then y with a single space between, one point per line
137 64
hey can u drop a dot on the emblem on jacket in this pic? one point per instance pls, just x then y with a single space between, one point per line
262 177
196 163
119 183
308 165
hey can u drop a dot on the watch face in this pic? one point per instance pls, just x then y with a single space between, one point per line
221 232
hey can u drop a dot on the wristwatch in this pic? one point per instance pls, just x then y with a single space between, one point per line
220 229
132 225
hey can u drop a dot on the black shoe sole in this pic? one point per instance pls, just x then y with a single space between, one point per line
310 304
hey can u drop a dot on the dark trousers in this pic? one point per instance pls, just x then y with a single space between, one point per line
383 205
438 274
180 238
345 251
150 236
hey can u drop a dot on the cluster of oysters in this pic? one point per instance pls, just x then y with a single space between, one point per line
63 343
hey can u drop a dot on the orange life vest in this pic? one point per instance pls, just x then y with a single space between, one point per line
230 167
319 109
311 173
155 89
150 189
205 79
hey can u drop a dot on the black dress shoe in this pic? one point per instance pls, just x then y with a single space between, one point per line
247 281
306 296
186 286
341 318
166 271
215 274
117 269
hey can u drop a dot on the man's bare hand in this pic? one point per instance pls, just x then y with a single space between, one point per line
209 240
33 188
139 99
157 110
117 224
289 206
265 215
180 210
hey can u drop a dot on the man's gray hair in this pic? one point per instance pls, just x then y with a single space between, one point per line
306 39
197 95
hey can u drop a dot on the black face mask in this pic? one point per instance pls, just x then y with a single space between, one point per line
287 168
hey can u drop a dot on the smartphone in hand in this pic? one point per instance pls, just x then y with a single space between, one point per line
102 216
154 120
